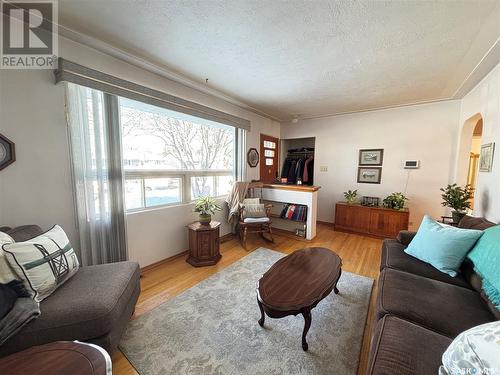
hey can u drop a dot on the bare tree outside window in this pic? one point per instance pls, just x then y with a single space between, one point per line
154 140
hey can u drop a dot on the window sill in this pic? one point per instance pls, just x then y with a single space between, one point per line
221 198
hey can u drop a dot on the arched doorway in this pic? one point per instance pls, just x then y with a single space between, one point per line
475 151
470 148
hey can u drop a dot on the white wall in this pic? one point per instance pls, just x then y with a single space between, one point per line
426 132
484 99
37 187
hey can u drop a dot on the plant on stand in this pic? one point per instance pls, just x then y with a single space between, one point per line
395 201
458 199
206 207
350 196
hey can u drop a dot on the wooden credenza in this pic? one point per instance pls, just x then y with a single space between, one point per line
372 221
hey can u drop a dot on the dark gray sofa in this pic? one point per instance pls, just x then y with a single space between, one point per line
420 310
94 306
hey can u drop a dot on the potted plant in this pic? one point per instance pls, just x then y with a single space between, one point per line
458 199
350 196
206 207
395 201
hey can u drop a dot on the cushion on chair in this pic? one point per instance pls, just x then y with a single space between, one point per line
256 220
446 308
401 347
248 201
254 210
87 306
393 256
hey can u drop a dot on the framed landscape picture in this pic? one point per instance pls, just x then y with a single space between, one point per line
486 159
369 175
371 157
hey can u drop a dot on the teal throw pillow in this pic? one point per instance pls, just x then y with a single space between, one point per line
443 246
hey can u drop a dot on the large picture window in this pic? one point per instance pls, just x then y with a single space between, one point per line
171 158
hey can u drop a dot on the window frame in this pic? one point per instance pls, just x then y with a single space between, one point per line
118 170
183 175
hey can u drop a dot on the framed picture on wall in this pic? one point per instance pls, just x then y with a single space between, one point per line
369 175
7 152
371 156
253 157
486 158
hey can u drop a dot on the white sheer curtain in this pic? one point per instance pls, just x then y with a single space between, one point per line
94 128
241 156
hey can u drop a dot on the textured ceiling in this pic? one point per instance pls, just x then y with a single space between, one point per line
310 58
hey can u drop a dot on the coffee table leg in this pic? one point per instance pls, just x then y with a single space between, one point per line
335 290
307 324
262 315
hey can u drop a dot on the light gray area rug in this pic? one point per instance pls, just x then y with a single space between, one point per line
212 328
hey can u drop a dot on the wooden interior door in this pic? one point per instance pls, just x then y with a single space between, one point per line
269 157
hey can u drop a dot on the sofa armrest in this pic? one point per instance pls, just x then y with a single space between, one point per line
405 236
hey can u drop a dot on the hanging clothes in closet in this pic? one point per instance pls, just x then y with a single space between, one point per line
299 164
299 170
291 172
308 175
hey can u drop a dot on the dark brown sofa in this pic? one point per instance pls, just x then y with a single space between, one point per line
420 309
94 306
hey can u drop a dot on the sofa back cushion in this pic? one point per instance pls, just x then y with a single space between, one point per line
472 277
471 222
24 232
476 282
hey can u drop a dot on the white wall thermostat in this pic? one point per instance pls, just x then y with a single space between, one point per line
411 164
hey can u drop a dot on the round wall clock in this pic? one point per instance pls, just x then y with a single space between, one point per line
7 152
253 157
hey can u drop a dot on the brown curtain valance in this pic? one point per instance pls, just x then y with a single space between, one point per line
71 72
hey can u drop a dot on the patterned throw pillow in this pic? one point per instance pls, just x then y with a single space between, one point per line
254 210
249 201
6 273
475 351
44 262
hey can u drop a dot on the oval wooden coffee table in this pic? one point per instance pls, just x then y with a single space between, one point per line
296 283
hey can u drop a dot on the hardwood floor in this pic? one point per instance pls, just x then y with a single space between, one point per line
360 255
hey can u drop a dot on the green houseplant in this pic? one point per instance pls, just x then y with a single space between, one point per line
458 199
206 207
350 196
395 201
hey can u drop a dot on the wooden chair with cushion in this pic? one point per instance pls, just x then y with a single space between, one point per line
254 217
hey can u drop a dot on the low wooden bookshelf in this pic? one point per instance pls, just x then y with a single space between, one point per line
373 221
